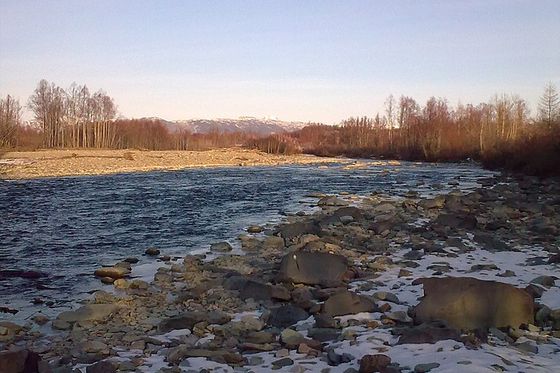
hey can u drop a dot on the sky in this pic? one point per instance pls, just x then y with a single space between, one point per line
313 60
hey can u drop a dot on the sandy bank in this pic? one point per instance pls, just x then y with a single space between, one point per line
73 162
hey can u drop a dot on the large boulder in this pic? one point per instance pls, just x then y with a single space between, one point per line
313 268
90 312
291 232
286 315
261 291
348 303
468 303
19 361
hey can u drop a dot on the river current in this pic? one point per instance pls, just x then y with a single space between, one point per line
65 228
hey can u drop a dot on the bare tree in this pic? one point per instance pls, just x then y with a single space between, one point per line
10 120
549 106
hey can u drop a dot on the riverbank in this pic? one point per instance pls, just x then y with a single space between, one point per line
338 289
75 162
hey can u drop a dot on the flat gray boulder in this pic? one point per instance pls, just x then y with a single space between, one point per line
468 303
313 268
347 303
90 312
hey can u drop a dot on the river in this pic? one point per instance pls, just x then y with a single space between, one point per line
66 227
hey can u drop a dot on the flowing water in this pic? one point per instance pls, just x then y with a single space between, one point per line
64 228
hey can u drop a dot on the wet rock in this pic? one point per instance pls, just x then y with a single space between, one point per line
347 303
468 303
313 268
90 312
254 229
120 283
131 260
152 251
332 201
286 315
221 247
374 363
423 368
112 272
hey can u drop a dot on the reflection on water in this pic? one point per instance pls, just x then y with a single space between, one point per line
66 227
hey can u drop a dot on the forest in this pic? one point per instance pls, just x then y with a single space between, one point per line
500 133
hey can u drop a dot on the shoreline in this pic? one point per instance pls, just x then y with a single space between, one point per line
238 311
86 162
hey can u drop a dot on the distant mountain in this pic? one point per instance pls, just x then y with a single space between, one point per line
263 127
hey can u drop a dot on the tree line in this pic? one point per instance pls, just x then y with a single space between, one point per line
501 132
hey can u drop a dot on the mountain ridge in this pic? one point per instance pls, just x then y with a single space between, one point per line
259 126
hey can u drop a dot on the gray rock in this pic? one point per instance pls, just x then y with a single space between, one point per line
90 312
282 363
221 247
286 315
546 281
323 334
347 303
273 243
188 319
374 363
389 297
291 338
112 272
18 361
400 316
152 251
469 303
313 268
291 232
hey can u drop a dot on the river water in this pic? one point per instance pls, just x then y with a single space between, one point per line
67 227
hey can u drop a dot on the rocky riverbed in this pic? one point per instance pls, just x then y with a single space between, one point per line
457 282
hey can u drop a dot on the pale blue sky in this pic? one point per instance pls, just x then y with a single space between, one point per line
296 60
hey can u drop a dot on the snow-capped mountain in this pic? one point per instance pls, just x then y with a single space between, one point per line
262 127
